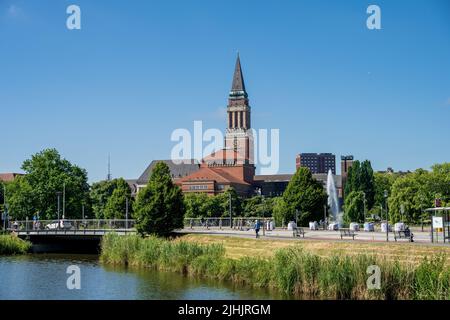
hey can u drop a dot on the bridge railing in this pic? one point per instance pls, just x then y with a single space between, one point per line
72 225
238 223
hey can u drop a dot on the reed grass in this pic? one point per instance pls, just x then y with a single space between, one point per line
13 245
291 270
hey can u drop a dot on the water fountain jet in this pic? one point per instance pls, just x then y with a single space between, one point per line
333 203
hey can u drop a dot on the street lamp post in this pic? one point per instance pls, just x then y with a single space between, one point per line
387 215
58 193
364 206
64 201
126 213
264 215
5 209
231 221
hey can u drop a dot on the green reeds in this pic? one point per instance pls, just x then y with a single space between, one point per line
291 270
13 245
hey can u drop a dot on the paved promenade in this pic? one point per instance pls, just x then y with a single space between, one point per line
419 236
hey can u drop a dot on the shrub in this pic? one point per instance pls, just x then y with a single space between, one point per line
13 245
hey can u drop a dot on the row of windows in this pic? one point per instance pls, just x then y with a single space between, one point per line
198 187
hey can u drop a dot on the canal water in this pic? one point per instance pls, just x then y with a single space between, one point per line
43 276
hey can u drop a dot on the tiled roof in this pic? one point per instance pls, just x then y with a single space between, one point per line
176 170
212 174
9 176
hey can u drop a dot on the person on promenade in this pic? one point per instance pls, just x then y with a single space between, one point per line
257 227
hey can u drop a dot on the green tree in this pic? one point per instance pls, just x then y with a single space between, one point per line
99 195
236 203
46 174
383 181
20 199
116 206
440 182
197 205
305 195
1 191
159 207
1 196
279 211
252 207
214 206
354 207
361 178
412 193
257 206
353 178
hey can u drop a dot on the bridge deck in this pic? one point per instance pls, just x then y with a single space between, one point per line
92 232
67 227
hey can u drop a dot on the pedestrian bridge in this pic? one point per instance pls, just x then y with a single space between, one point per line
68 235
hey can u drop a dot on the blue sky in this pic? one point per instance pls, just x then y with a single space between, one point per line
137 70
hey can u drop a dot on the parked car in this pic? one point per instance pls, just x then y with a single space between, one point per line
63 225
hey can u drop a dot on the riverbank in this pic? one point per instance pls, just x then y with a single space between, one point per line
10 244
237 246
291 270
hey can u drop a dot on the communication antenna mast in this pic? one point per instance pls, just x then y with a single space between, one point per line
108 177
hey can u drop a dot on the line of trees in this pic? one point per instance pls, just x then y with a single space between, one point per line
47 174
408 194
161 205
159 208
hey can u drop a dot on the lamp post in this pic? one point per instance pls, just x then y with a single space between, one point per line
264 215
126 213
58 194
364 206
387 215
5 210
231 221
64 201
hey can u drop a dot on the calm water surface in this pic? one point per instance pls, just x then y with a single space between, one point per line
42 276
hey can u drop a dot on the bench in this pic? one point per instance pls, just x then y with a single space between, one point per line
297 232
404 234
347 233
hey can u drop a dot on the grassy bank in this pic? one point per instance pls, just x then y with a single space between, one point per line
405 252
292 270
13 245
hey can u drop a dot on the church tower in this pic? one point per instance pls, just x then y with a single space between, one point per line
239 135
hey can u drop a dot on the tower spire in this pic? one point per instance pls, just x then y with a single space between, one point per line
238 85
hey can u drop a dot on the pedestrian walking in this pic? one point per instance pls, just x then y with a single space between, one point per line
257 227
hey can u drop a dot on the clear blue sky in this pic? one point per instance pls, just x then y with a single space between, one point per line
137 70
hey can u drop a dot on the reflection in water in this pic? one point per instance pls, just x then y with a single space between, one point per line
44 277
